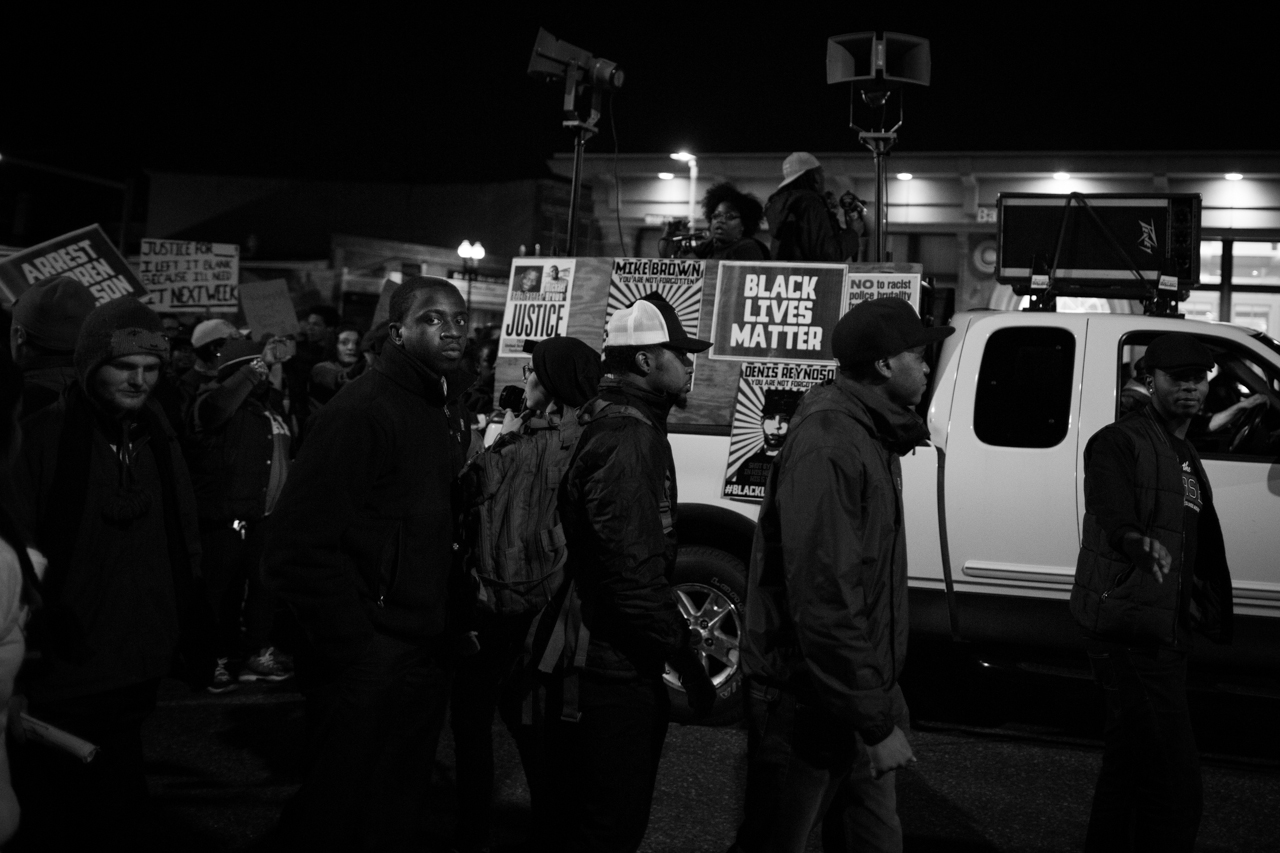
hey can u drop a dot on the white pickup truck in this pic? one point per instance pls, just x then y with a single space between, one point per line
994 506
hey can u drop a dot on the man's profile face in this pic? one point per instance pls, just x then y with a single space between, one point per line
555 271
1179 393
775 429
434 330
123 384
908 378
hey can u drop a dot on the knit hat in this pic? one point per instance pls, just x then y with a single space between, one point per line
116 329
568 368
52 310
796 165
881 328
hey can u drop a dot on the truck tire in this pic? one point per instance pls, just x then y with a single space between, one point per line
711 591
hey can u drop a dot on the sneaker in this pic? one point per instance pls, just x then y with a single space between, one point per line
264 667
222 682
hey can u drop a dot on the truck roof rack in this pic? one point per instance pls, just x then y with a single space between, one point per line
1142 246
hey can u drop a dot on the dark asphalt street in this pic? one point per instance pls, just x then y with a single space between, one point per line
1006 763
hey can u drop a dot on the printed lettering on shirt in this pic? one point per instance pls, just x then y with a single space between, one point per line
1191 492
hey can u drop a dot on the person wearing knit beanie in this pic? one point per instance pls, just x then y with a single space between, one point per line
46 324
47 317
568 369
119 353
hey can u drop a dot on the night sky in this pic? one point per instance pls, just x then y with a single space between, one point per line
409 97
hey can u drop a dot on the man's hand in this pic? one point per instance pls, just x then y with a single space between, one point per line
696 683
892 753
1148 554
510 422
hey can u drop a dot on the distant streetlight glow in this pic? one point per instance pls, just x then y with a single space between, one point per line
905 176
691 161
1233 176
666 176
1061 176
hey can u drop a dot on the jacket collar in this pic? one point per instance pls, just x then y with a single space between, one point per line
654 405
414 376
897 428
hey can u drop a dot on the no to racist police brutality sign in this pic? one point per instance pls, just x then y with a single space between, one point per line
776 311
86 255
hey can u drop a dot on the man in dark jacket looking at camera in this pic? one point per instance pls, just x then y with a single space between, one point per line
826 634
363 549
618 508
1152 569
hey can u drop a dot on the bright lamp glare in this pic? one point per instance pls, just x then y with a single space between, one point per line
1061 176
682 156
464 251
1233 176
665 176
905 176
477 251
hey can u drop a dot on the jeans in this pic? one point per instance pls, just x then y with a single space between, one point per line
1149 794
375 726
803 766
603 767
490 680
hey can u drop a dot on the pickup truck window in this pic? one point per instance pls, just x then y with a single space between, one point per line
1024 387
1241 416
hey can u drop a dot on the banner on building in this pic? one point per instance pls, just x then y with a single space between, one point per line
768 394
776 311
871 285
537 302
86 255
268 308
183 275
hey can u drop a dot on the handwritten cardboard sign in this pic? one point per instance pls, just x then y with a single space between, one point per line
268 308
182 275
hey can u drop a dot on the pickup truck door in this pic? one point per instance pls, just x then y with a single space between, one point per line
1011 511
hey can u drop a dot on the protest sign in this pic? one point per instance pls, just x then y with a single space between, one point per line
768 394
871 285
181 275
268 308
776 311
86 255
537 302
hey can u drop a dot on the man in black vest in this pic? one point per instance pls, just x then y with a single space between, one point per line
1152 569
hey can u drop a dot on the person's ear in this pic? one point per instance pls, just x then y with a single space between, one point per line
395 332
884 368
644 361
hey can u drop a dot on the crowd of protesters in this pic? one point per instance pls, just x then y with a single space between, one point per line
322 507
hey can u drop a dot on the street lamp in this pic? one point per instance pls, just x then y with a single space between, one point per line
471 254
692 162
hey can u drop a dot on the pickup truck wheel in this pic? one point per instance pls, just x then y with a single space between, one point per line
710 587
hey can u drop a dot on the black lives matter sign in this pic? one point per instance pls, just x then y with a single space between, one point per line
776 311
85 255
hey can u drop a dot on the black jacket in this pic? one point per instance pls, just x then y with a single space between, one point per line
827 590
618 508
1133 483
364 539
800 227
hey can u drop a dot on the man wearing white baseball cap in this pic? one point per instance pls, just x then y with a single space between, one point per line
618 508
800 226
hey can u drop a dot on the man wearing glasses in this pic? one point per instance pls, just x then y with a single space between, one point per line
618 507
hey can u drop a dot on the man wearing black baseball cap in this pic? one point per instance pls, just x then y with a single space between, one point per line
827 594
618 509
1152 568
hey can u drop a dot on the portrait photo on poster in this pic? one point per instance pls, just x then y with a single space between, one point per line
768 395
537 307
